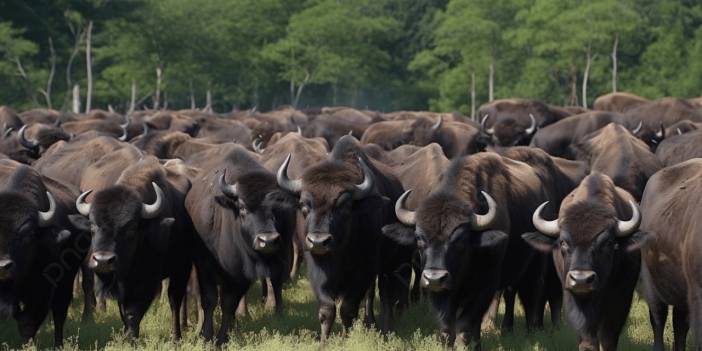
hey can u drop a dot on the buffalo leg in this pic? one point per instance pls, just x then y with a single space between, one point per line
468 329
177 286
327 315
59 308
658 314
228 298
88 285
508 320
208 296
349 311
369 317
276 288
271 301
681 325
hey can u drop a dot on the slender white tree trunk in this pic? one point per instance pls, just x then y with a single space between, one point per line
586 75
299 90
157 97
76 99
88 65
614 63
132 102
208 108
192 97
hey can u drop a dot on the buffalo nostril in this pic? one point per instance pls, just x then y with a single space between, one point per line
435 275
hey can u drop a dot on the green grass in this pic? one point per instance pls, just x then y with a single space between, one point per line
298 328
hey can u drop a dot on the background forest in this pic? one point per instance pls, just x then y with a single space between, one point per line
380 54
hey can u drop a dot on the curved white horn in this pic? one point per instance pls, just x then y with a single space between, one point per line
47 218
154 209
626 228
363 189
26 143
531 128
293 186
549 228
404 215
82 206
638 128
483 222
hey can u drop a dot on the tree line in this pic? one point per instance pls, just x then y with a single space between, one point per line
381 54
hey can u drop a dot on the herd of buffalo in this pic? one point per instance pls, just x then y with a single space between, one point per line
559 206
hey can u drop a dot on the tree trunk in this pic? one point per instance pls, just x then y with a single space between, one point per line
78 37
49 82
472 95
299 90
157 97
192 97
89 68
132 102
573 101
491 78
614 63
208 108
586 75
76 99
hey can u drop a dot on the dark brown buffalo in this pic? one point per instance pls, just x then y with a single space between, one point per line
40 115
40 251
39 137
467 256
245 224
557 139
218 130
419 171
304 153
68 161
456 138
618 102
513 122
659 114
616 152
168 120
141 234
333 124
168 145
595 246
680 148
9 119
671 275
682 127
347 199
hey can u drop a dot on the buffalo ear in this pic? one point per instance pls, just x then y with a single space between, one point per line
490 238
638 240
539 241
401 234
79 222
225 202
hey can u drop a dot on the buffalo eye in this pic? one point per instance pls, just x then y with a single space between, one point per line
242 207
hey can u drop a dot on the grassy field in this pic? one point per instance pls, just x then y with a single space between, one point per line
298 327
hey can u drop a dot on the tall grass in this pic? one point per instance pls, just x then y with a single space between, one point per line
297 329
